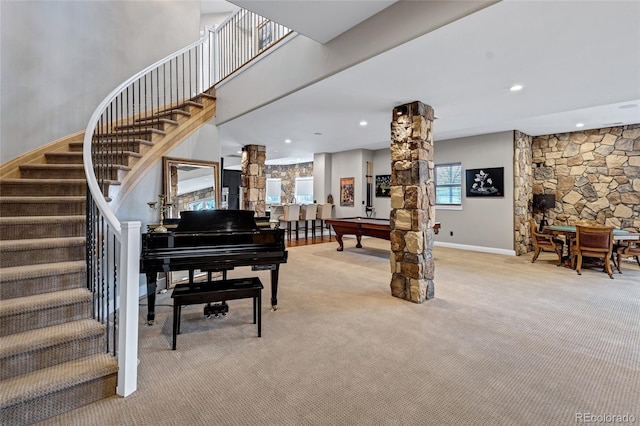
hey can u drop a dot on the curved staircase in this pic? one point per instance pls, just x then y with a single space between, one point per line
53 353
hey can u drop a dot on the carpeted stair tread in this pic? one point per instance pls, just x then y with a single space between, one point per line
25 280
43 199
27 272
42 187
40 220
33 251
38 302
31 243
30 227
33 340
56 378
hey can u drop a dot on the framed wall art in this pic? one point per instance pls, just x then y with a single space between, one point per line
383 185
346 192
486 182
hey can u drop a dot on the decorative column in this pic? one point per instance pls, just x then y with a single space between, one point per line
254 182
412 202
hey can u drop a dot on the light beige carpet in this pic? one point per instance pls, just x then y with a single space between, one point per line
504 342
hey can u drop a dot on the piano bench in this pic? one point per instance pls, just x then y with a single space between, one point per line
216 291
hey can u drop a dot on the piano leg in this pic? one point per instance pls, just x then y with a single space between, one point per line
274 287
151 297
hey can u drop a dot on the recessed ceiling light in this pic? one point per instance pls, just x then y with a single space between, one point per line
287 141
579 124
516 87
239 152
363 123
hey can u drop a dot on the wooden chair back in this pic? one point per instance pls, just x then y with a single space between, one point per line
594 241
546 242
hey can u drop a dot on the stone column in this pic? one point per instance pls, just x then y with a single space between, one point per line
254 182
412 202
522 191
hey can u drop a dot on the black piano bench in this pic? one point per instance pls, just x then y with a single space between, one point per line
216 291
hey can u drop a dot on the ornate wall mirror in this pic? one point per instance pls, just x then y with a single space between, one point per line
190 185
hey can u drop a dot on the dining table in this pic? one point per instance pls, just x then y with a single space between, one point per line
569 232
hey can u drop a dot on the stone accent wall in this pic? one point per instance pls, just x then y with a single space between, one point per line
181 202
522 195
254 183
594 174
287 175
412 202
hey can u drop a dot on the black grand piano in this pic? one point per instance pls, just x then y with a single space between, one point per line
212 240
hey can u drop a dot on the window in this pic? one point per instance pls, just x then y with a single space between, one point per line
304 190
448 184
273 191
202 204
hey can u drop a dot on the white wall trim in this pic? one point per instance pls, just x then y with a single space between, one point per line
476 248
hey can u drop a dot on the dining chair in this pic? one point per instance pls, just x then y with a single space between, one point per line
593 242
545 242
627 248
291 215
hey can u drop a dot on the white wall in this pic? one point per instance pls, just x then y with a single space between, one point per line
321 177
345 165
381 166
59 59
482 222
307 61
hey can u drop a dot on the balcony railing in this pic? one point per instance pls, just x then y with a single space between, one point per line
126 119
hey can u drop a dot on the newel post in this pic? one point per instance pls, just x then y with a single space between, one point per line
129 310
412 202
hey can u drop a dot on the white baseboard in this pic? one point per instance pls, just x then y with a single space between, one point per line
476 248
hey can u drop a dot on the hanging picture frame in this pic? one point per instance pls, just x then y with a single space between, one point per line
383 185
486 182
346 192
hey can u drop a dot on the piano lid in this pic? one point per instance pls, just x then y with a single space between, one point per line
217 220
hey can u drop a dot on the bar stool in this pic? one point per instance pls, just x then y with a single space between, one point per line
291 214
324 213
309 212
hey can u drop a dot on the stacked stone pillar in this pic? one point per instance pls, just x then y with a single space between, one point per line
412 202
254 182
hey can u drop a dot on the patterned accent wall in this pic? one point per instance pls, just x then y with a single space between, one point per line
594 174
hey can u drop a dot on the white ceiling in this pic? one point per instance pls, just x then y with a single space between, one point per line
579 61
320 20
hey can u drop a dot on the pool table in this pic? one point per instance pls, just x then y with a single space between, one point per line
359 226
